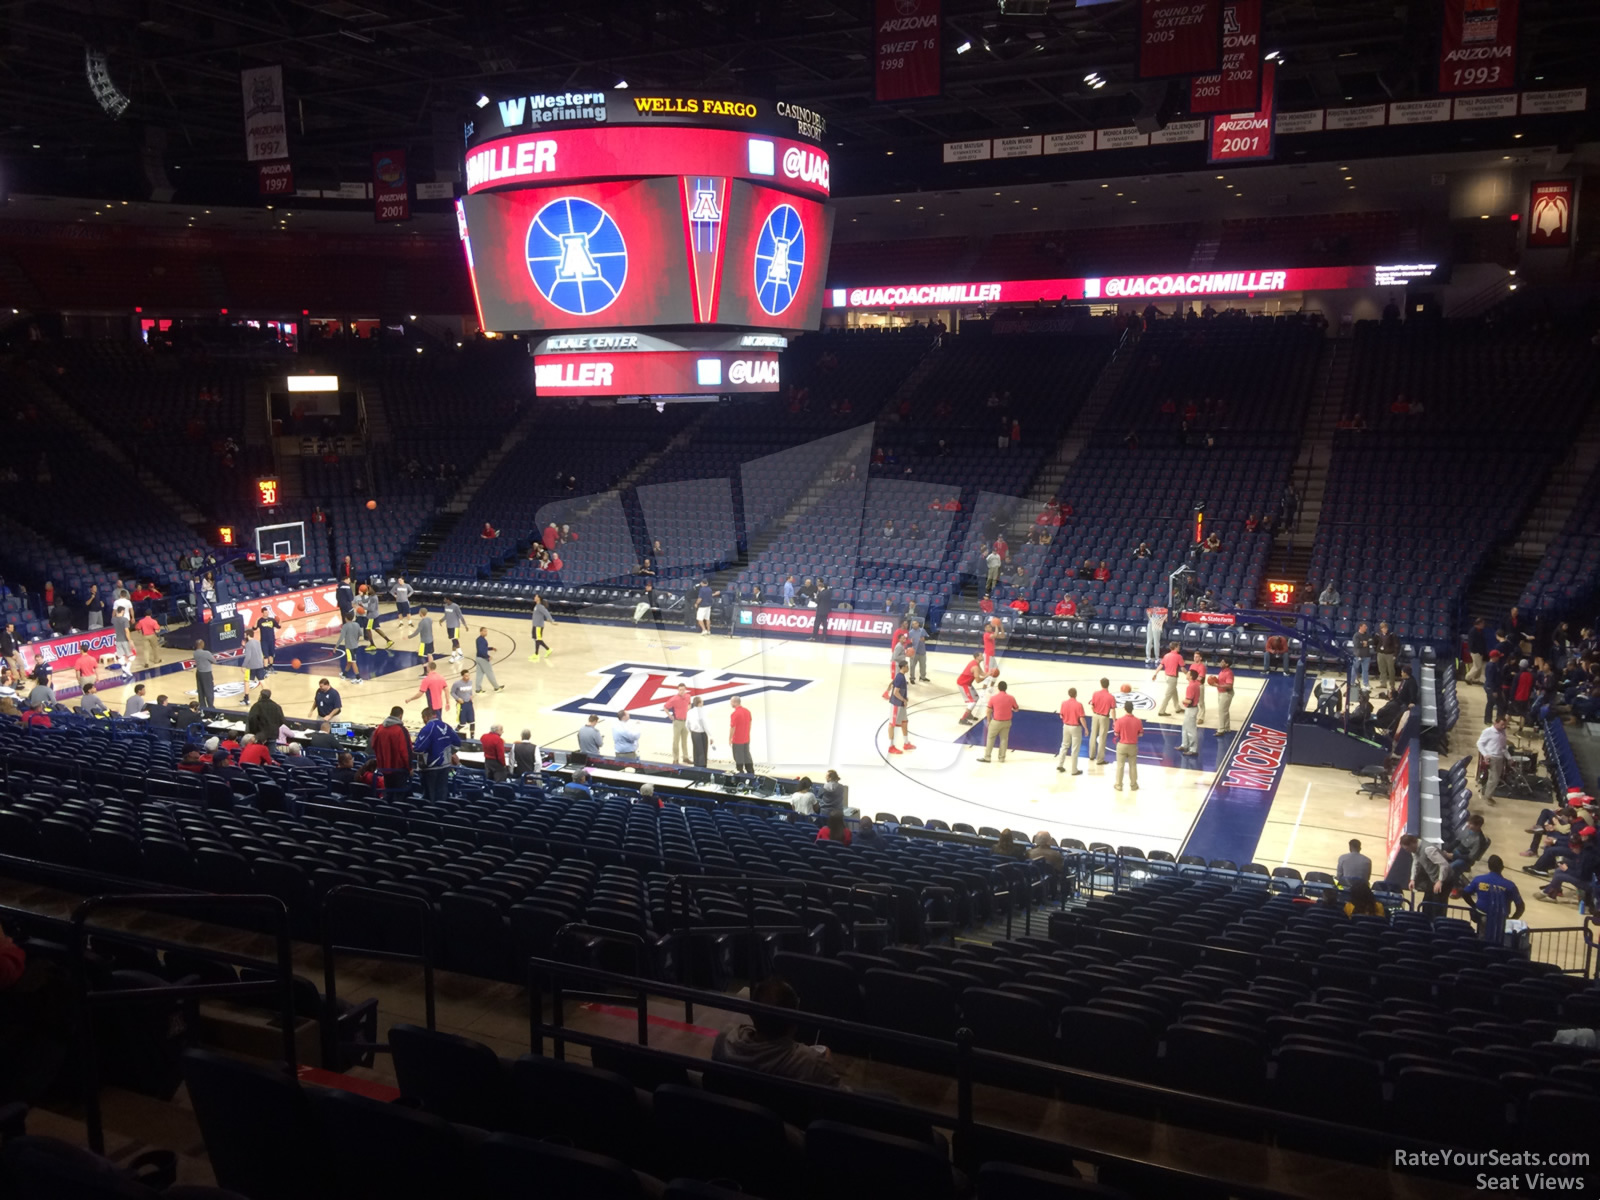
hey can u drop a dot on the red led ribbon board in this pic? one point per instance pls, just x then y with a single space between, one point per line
1478 46
656 373
1237 88
1179 37
907 38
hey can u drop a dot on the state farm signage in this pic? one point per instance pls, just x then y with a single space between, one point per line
801 622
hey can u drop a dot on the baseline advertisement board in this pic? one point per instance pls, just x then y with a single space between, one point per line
1404 812
777 621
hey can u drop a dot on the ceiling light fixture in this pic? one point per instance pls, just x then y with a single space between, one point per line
621 85
964 47
483 102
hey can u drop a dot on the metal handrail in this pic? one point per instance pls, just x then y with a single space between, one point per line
969 1063
88 998
330 950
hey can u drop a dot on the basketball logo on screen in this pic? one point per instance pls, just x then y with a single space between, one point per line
576 256
780 259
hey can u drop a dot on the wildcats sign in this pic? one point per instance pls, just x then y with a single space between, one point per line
640 689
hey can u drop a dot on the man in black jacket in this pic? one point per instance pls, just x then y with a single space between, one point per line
265 718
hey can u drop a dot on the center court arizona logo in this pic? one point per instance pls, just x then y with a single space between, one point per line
642 688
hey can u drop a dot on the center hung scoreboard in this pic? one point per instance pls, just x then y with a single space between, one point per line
664 242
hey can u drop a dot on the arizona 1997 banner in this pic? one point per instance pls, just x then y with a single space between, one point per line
1478 46
907 36
1179 37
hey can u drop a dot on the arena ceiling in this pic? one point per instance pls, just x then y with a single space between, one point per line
369 74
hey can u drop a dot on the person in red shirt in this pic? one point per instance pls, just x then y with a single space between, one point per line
952 505
1252 523
1103 705
1198 664
1190 745
391 748
678 706
555 563
1002 707
1171 664
1103 572
968 691
489 532
986 605
87 665
34 717
254 753
494 754
1129 730
836 830
739 737
1019 605
1066 606
550 536
149 634
990 631
1072 729
1002 547
1223 682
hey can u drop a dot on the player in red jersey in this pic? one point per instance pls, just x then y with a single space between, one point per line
969 692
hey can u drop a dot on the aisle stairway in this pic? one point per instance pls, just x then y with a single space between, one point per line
1054 469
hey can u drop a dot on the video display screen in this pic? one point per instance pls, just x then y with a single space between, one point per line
663 251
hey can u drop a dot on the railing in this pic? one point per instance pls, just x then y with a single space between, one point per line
960 1059
332 1047
90 999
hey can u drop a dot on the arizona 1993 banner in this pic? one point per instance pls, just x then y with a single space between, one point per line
906 42
1478 46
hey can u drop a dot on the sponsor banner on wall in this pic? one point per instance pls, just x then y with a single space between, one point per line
266 130
906 47
800 622
391 191
1550 214
1237 88
436 191
275 178
63 650
1207 618
1478 46
1179 37
1246 137
1476 108
1403 813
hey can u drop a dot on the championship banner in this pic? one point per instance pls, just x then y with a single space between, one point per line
1550 214
1179 37
1478 46
1245 137
1238 87
390 190
907 37
800 622
276 178
266 131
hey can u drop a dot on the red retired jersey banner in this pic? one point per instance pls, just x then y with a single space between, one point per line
1179 37
1243 137
906 44
1238 87
391 191
1478 46
1550 214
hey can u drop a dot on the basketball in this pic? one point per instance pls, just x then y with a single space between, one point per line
371 504
1126 688
994 672
295 663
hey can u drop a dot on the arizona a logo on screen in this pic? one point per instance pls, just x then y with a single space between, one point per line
576 256
780 259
